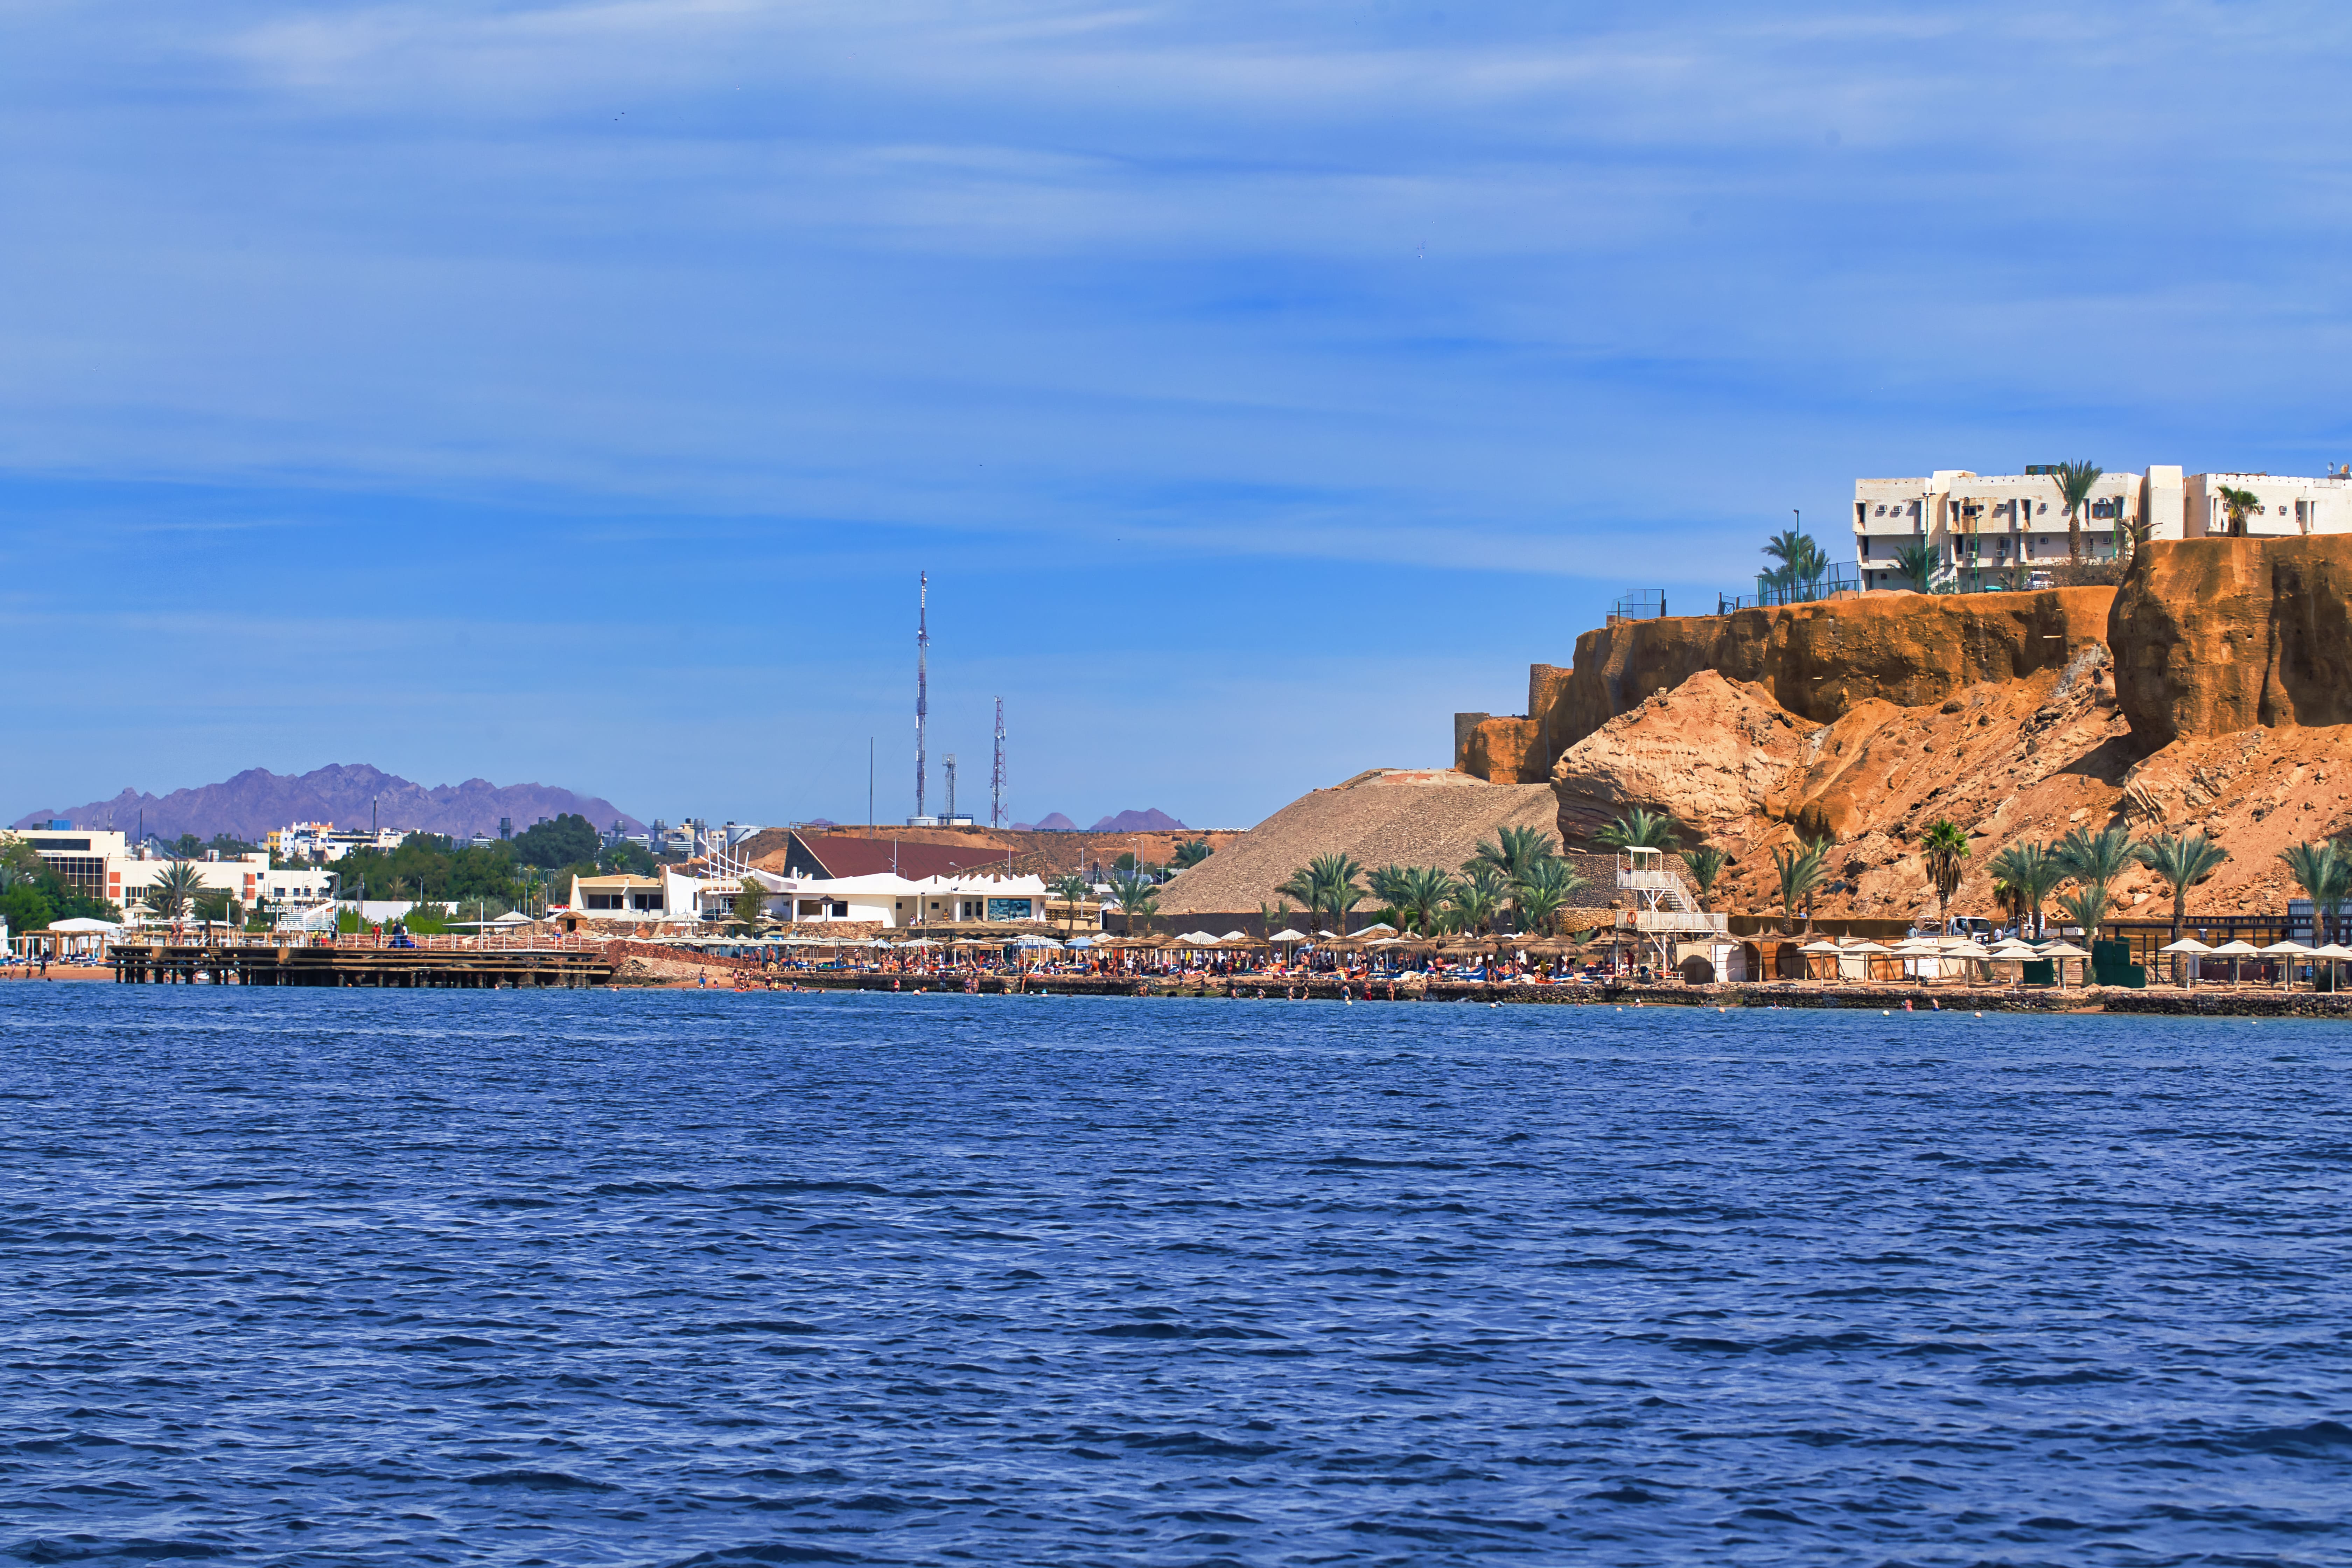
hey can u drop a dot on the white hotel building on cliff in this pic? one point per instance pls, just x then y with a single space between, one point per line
1978 528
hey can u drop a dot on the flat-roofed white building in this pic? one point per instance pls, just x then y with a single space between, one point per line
102 864
1989 532
880 899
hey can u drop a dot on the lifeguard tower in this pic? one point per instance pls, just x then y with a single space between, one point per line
1662 912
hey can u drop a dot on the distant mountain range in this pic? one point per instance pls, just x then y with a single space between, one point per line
1152 821
256 800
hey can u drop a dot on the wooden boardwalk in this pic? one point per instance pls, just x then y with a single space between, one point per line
469 964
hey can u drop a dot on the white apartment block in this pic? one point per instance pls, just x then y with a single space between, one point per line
1990 531
103 863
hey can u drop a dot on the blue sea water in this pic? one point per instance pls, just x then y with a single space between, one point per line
672 1277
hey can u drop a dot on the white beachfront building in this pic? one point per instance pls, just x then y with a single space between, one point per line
104 864
882 899
1978 530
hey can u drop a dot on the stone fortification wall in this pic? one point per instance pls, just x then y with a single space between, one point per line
2216 636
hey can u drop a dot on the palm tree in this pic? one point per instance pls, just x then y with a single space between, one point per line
1138 896
1638 829
2089 858
1544 890
2325 877
1388 885
1802 563
2086 907
171 894
1191 852
1423 892
2238 503
1327 885
1515 849
1800 868
1072 889
1470 908
2074 482
2184 860
1705 865
1913 561
1945 847
2030 872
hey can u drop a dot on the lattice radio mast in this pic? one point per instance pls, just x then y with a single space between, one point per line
922 683
996 778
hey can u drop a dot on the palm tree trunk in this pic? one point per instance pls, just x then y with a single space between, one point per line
2074 533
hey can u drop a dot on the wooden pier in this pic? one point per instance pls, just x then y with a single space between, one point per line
479 963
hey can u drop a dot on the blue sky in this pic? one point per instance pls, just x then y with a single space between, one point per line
572 393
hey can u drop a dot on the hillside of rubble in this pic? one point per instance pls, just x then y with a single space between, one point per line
2212 691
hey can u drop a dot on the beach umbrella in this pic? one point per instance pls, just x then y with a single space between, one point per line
2235 951
2288 950
2335 953
1287 933
2188 946
2059 950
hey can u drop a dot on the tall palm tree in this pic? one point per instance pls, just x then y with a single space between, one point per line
1476 899
1515 849
1544 890
2325 877
2237 503
2087 906
171 894
1425 890
1072 889
1802 563
1138 896
2074 482
1388 885
1705 865
2030 872
2098 857
1800 868
1913 561
1945 847
1327 885
2184 860
1638 829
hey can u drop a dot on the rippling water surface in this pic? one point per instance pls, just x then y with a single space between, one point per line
673 1278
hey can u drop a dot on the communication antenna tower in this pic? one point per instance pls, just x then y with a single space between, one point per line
996 778
922 683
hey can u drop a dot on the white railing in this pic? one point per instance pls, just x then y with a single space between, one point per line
1661 883
1674 920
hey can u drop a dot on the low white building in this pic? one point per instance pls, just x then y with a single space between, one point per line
103 863
1994 530
880 899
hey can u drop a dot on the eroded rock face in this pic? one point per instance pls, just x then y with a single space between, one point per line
1503 750
2217 636
1821 660
1710 755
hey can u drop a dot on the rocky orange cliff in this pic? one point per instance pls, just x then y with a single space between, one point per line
2212 690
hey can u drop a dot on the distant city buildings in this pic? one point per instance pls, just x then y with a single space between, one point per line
324 841
103 863
1986 531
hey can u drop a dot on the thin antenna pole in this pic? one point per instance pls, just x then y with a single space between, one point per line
922 683
869 786
996 778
